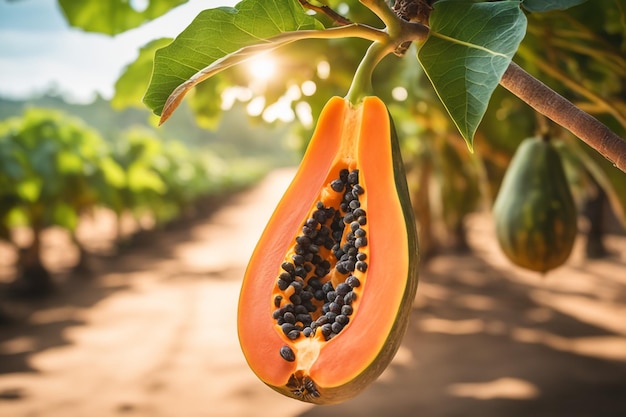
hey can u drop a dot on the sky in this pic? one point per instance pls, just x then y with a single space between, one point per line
39 51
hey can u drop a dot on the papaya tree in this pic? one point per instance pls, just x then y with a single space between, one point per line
585 64
190 177
137 151
163 180
54 169
583 46
12 189
606 17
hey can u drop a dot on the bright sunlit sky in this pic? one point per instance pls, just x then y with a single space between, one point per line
38 49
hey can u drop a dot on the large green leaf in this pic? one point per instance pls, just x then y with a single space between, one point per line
113 16
548 5
469 47
214 34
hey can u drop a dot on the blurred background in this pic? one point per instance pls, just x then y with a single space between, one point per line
123 244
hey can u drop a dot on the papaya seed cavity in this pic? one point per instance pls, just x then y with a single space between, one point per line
316 286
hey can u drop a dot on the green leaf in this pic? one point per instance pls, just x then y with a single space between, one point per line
141 179
29 189
469 47
549 5
65 215
113 174
214 34
112 16
69 162
132 84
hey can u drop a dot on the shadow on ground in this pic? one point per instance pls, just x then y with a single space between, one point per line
484 341
34 325
153 334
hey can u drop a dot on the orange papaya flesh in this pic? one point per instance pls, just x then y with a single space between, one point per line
327 293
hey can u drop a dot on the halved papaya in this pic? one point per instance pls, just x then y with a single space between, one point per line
327 294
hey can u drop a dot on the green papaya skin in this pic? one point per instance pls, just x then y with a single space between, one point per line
535 213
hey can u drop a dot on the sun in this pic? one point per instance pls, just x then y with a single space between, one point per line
263 67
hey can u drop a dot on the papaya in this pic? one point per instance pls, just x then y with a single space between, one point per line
328 291
534 212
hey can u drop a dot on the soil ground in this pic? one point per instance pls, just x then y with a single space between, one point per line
152 333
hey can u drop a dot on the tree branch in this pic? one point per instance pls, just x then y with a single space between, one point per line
560 110
326 10
383 11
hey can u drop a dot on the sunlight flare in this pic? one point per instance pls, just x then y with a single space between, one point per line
263 67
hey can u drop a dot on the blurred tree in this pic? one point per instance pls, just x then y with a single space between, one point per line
53 169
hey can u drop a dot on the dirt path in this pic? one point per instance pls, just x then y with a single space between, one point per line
154 335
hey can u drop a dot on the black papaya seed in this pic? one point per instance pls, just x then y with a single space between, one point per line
287 354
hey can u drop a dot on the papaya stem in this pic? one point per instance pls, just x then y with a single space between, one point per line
362 81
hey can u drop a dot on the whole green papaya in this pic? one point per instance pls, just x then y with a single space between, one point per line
534 212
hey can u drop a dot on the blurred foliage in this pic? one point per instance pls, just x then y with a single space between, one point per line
231 139
54 169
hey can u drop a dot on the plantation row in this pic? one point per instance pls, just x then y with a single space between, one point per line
55 169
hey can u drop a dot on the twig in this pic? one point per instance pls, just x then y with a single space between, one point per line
384 13
325 10
562 111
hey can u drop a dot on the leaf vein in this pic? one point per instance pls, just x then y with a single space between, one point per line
469 45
